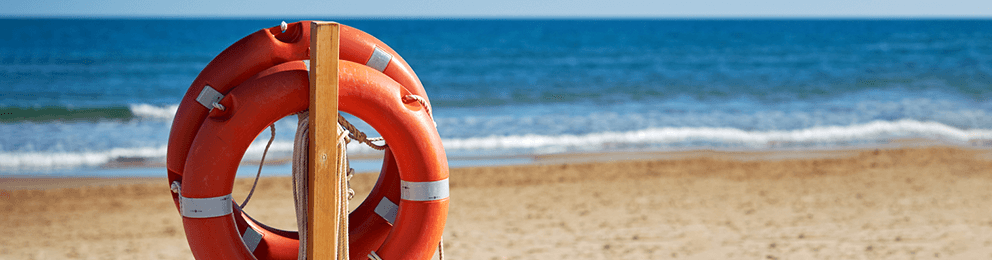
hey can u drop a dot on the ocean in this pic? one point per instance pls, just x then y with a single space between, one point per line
96 97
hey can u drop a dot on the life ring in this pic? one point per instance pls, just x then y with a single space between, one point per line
212 235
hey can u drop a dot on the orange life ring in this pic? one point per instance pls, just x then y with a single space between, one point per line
206 146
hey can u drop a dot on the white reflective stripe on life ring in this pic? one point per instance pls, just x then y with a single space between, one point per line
379 60
424 191
205 207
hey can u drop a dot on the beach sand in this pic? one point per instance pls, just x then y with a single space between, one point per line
909 203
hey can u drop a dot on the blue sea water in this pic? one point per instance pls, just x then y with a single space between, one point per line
80 96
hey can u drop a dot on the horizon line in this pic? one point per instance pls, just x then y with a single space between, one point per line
466 17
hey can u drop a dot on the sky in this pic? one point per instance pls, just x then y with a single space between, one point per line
502 8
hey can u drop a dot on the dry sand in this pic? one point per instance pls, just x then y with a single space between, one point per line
917 203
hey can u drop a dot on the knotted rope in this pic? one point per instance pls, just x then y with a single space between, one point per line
359 136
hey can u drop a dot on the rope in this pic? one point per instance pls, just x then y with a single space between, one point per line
440 249
359 136
272 129
351 173
341 145
301 149
300 170
423 102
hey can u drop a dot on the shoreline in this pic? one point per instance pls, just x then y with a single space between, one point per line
922 202
365 163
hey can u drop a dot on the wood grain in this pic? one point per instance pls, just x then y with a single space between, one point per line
327 234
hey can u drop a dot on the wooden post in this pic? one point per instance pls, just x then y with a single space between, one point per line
327 234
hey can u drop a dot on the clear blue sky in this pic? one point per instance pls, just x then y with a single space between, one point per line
499 8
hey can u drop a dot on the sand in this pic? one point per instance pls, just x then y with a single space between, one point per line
914 203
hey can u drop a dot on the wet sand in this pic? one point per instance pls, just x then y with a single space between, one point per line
911 203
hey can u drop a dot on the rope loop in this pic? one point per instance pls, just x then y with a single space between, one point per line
175 187
423 102
217 105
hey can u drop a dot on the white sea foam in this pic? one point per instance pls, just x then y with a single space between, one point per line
685 136
152 111
877 130
41 161
56 160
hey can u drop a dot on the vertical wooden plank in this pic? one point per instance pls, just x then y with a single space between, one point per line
325 216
